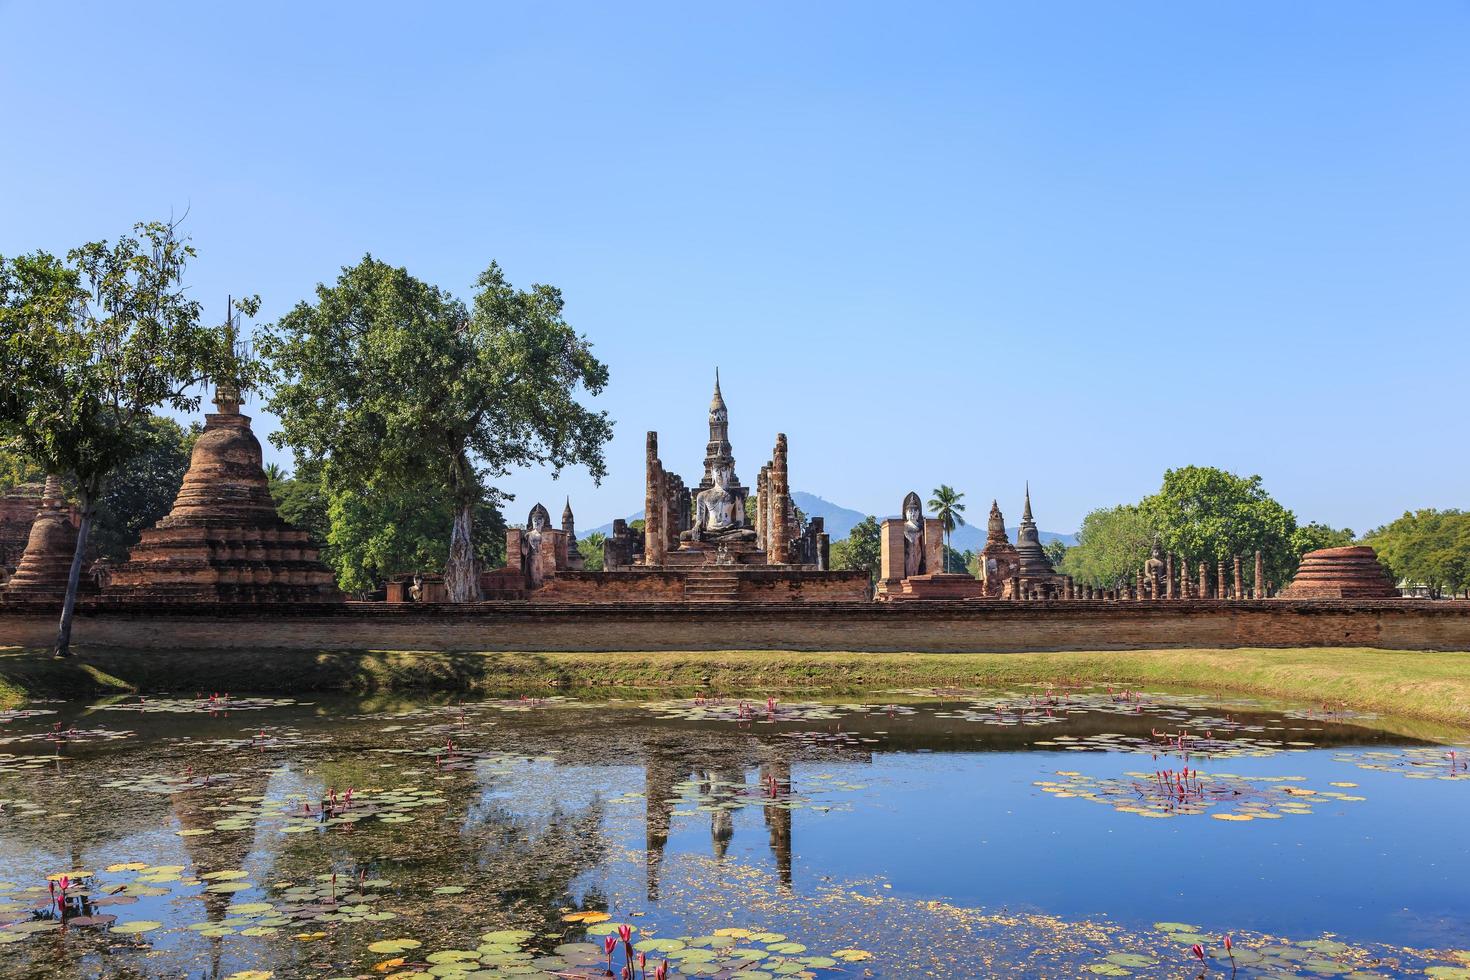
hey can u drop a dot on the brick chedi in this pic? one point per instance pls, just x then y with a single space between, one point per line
1341 573
223 540
17 513
46 563
1036 572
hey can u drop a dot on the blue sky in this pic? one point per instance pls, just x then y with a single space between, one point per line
1074 243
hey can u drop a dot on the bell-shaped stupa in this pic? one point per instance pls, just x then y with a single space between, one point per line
46 563
223 540
1341 573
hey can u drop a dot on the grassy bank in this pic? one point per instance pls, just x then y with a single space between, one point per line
1434 686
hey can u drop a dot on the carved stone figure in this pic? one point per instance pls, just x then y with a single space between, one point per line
536 524
1155 569
913 536
719 511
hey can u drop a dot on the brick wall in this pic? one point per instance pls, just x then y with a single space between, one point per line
921 626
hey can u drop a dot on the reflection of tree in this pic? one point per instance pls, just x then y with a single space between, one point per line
776 772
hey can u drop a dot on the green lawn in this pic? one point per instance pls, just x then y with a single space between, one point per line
1415 684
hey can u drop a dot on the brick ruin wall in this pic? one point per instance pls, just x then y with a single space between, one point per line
936 626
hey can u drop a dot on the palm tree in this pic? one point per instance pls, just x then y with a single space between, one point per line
947 507
274 473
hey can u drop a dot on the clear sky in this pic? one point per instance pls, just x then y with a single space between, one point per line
1075 243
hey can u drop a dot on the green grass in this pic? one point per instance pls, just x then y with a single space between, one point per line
1412 684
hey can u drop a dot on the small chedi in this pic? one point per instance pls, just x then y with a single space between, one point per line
1037 578
18 507
999 561
223 540
1341 573
46 562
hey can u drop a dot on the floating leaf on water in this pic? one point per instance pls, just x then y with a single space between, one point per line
135 927
851 955
392 945
588 916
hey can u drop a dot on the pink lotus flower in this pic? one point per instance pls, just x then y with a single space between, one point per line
625 933
1198 951
609 943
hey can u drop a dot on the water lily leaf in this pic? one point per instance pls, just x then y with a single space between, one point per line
393 945
851 955
136 927
1131 959
251 975
588 916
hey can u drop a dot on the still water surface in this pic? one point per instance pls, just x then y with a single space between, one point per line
1030 832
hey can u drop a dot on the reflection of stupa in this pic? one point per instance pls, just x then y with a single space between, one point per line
223 540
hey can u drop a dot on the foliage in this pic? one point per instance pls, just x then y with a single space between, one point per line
1429 548
1111 545
638 526
947 507
1056 551
1314 537
1206 513
368 537
959 560
860 549
590 549
401 390
142 490
91 345
17 468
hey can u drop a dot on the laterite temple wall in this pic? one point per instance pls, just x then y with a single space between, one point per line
918 626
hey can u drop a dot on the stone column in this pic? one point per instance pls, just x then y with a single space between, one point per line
1260 583
762 492
1239 580
1169 576
1204 581
824 551
890 550
1015 587
778 552
1220 590
654 538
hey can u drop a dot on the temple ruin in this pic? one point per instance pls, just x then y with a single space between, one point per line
51 542
223 540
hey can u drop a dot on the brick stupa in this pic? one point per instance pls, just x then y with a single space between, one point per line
223 540
1341 573
46 563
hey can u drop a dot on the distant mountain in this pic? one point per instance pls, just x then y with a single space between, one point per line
839 522
972 538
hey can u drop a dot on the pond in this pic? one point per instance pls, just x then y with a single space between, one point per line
1038 831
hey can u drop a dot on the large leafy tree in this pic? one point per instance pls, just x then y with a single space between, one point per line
142 490
1208 513
1112 544
1429 548
590 549
398 388
951 513
91 345
861 549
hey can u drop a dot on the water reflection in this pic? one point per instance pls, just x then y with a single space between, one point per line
523 813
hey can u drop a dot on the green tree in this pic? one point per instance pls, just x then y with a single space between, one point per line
1056 551
91 345
1112 544
590 548
860 549
1429 548
947 507
1314 537
959 559
400 389
142 490
1204 512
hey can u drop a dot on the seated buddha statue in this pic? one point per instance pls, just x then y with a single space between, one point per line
719 512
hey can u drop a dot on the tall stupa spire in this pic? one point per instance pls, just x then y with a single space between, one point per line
718 451
1026 514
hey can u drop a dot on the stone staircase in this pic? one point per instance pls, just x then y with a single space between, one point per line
712 585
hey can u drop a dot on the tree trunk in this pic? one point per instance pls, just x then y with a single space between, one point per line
73 580
461 571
